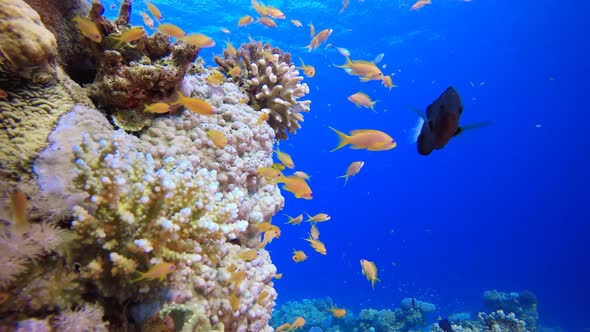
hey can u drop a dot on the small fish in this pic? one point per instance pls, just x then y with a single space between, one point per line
275 13
171 30
285 159
129 36
369 270
362 99
387 82
317 245
303 175
372 140
237 278
308 70
112 6
249 255
232 268
284 327
311 29
154 10
318 39
261 296
298 256
234 302
296 23
278 166
378 58
279 276
245 20
88 28
231 49
342 51
215 78
441 122
218 138
419 4
299 322
314 232
158 108
199 40
147 20
320 217
337 312
196 105
235 71
366 70
353 169
445 325
295 221
297 186
344 5
267 21
260 9
3 95
262 118
267 238
18 208
160 271
225 30
270 173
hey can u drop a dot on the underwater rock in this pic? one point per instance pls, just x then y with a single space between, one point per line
272 82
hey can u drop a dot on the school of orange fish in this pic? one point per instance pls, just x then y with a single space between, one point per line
296 183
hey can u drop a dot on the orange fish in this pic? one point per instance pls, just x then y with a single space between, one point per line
160 271
236 278
297 23
18 208
147 20
321 37
234 302
311 30
370 271
352 170
158 108
269 172
262 118
298 256
284 327
365 69
314 232
218 138
420 3
199 40
308 70
196 105
372 140
235 71
320 217
231 49
344 5
249 255
295 221
267 21
171 30
245 20
260 9
275 13
154 10
88 28
261 296
303 175
386 81
215 78
268 237
279 276
362 99
285 159
337 312
297 186
298 323
129 36
317 245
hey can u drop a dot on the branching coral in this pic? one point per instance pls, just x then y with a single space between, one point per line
499 321
272 83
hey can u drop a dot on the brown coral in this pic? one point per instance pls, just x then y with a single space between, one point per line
272 83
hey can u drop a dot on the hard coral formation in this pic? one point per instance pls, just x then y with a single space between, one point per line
523 305
27 49
272 83
499 321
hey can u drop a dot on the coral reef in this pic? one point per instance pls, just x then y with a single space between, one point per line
27 49
522 304
498 321
272 83
315 312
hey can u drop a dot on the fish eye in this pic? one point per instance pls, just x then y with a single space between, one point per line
172 268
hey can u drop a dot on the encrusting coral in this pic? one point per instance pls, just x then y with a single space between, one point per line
272 83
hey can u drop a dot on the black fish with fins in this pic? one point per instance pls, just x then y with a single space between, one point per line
441 122
445 325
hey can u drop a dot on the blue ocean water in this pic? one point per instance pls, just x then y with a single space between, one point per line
502 207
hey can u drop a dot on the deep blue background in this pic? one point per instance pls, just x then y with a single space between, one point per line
503 207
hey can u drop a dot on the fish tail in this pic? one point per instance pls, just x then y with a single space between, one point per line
347 64
343 139
141 277
373 105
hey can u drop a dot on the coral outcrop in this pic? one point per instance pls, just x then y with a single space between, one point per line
272 83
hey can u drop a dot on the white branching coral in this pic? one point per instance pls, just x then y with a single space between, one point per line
85 318
272 83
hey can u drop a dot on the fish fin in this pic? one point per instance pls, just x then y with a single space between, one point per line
343 139
473 126
417 111
365 79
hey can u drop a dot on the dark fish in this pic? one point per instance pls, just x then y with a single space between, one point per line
445 325
441 122
413 303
